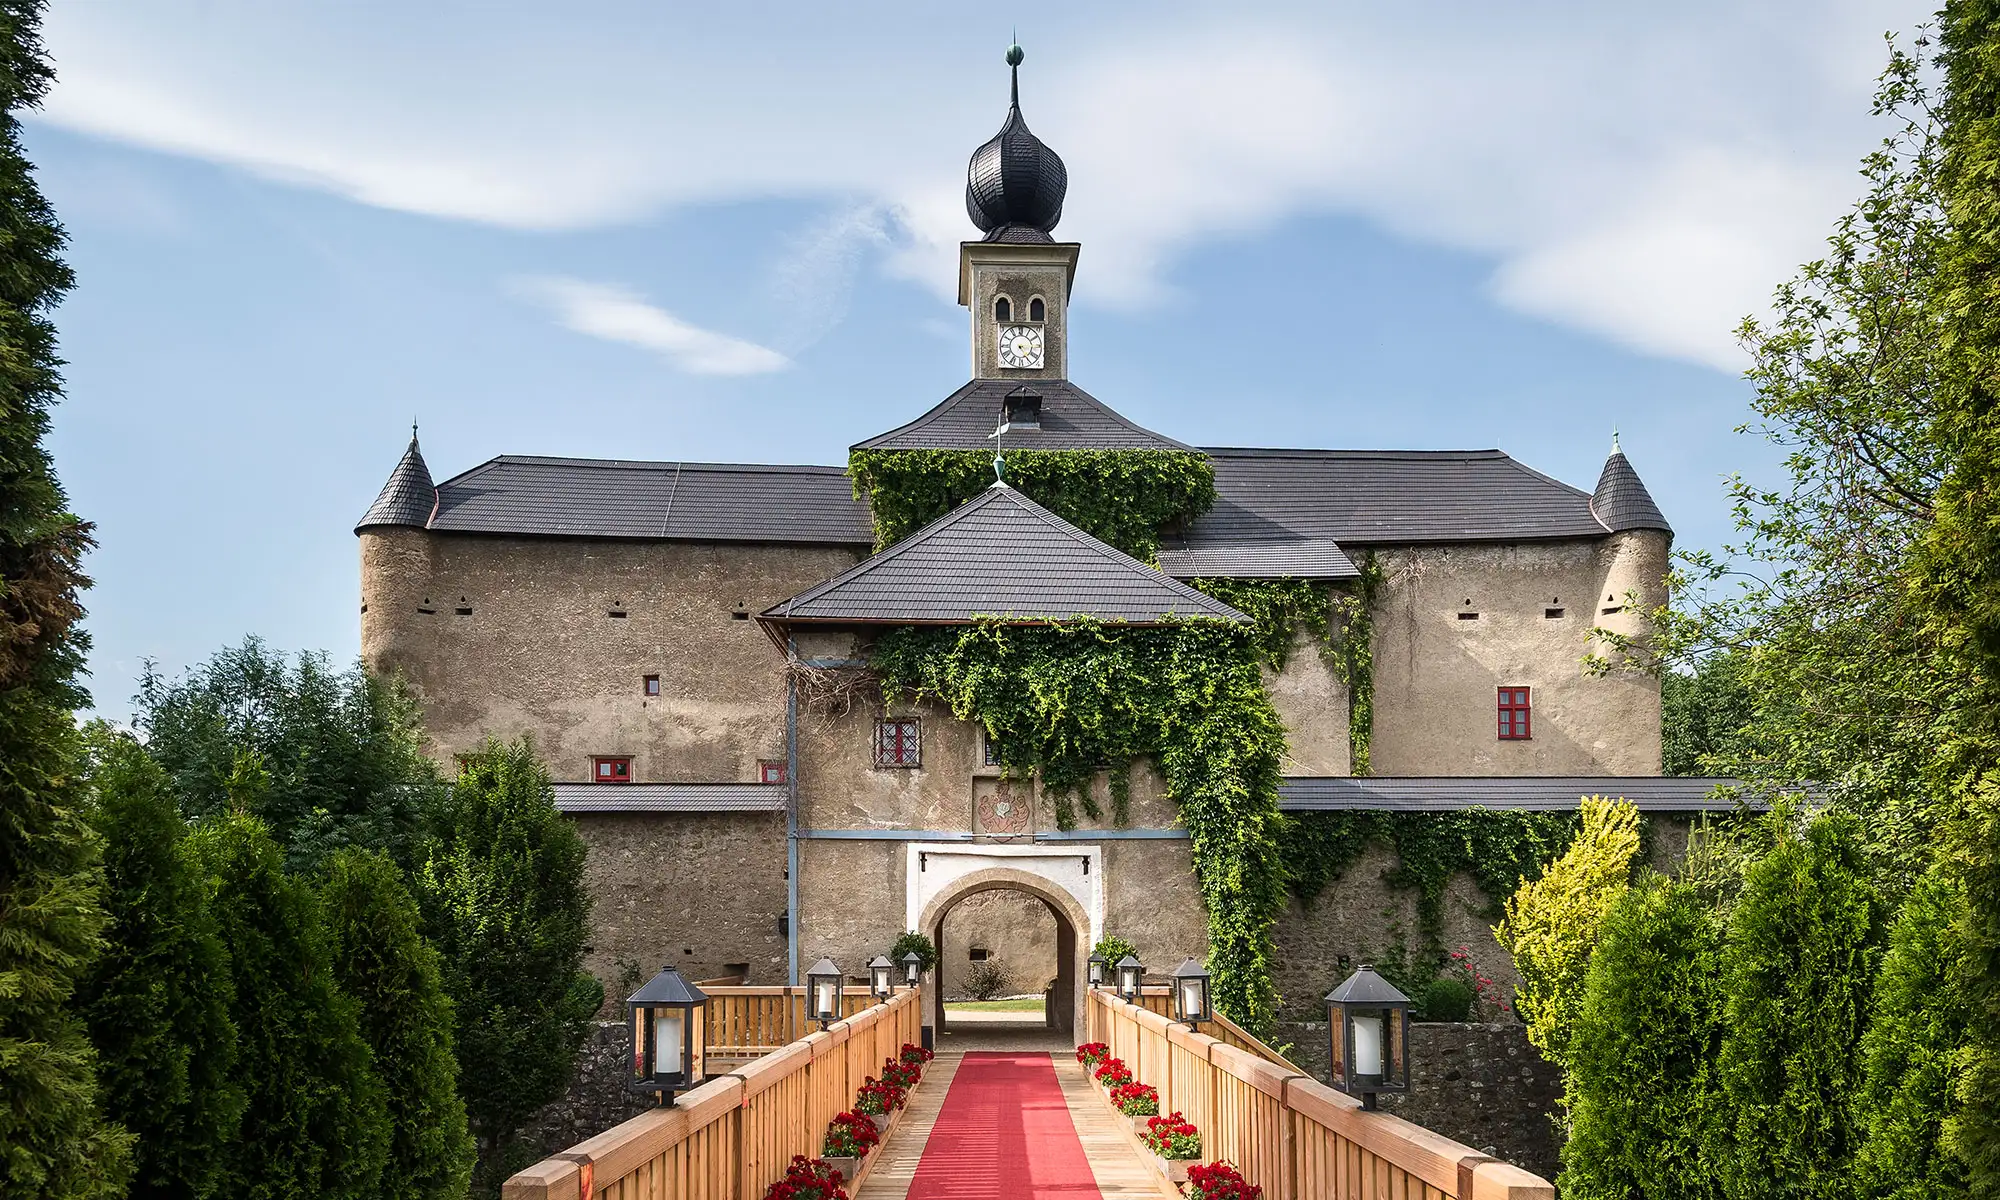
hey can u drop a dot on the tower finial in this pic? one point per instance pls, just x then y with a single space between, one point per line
1614 441
1014 56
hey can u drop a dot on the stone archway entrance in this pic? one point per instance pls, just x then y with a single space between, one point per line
1067 881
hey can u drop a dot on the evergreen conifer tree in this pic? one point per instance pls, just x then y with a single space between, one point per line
1641 1086
158 1001
1911 1051
316 1124
53 1141
380 959
501 888
1798 969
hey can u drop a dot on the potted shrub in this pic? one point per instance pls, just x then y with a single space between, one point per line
1137 1101
1112 1072
1092 1053
878 1101
1219 1181
1175 1144
848 1141
809 1179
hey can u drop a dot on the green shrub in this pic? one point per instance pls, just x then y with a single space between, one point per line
1641 1085
316 1126
1446 998
158 1001
1114 949
1909 1050
913 942
1551 923
1797 972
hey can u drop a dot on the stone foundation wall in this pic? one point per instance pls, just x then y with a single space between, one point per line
597 1097
1480 1084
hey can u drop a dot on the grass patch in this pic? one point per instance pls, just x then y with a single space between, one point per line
1024 1004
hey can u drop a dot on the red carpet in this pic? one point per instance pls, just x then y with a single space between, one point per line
1003 1133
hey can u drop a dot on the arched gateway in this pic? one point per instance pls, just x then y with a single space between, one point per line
1068 880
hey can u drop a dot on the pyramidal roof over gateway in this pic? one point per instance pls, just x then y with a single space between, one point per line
1279 512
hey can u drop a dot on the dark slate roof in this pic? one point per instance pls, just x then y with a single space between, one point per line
998 555
408 498
584 497
1014 185
1305 558
1072 419
1544 793
1622 501
1382 497
669 797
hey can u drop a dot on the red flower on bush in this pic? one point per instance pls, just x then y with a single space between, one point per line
877 1098
901 1074
1172 1136
1136 1099
1219 1181
808 1179
852 1135
915 1055
1113 1071
1092 1053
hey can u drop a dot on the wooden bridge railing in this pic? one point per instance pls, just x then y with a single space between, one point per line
1292 1135
763 1019
731 1137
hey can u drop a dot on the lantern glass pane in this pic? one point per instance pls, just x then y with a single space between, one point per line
639 1056
1368 1046
823 1000
1096 974
1191 1000
669 1041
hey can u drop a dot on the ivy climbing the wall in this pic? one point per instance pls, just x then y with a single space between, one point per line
1124 498
1069 699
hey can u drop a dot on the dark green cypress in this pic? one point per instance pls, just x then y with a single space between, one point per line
1642 1086
53 1140
316 1126
1798 972
380 959
502 892
158 1001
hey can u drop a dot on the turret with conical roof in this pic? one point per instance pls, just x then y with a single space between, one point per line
1621 502
409 498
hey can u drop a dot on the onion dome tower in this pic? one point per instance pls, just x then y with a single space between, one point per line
1014 185
408 498
1621 501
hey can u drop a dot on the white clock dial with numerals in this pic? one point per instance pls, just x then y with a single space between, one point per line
1021 346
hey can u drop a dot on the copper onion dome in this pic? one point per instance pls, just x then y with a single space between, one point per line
1014 185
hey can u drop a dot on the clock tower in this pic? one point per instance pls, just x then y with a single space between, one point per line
1016 279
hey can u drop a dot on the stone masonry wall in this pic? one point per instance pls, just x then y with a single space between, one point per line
1018 933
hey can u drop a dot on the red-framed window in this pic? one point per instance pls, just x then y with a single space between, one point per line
610 770
769 771
651 684
1514 714
898 743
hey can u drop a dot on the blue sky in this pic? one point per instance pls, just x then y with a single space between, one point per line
658 231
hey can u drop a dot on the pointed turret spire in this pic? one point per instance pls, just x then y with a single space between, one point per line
1014 185
409 498
1621 501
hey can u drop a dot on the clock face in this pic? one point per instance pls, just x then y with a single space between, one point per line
1021 346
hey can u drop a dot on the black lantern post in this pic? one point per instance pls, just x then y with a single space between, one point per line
1097 965
668 1017
913 969
1131 973
824 986
882 977
1191 994
1368 1023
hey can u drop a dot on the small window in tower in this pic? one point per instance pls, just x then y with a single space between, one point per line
897 743
652 683
1003 309
1514 714
1024 410
610 770
770 771
1036 309
989 747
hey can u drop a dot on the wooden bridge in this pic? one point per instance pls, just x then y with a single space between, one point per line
997 1126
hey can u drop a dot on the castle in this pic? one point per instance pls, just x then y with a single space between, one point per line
681 640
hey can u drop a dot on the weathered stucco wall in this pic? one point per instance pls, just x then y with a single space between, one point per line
1313 704
506 636
1018 933
1454 624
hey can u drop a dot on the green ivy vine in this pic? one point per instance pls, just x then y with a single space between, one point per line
1124 498
1068 699
1497 848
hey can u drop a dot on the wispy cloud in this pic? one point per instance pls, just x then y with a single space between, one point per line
619 314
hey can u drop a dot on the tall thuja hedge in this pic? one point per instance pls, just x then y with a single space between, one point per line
158 1001
1641 1080
54 1141
1803 944
500 885
1911 1051
380 959
1068 698
316 1123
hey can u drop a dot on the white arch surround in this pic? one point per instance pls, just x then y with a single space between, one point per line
934 870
